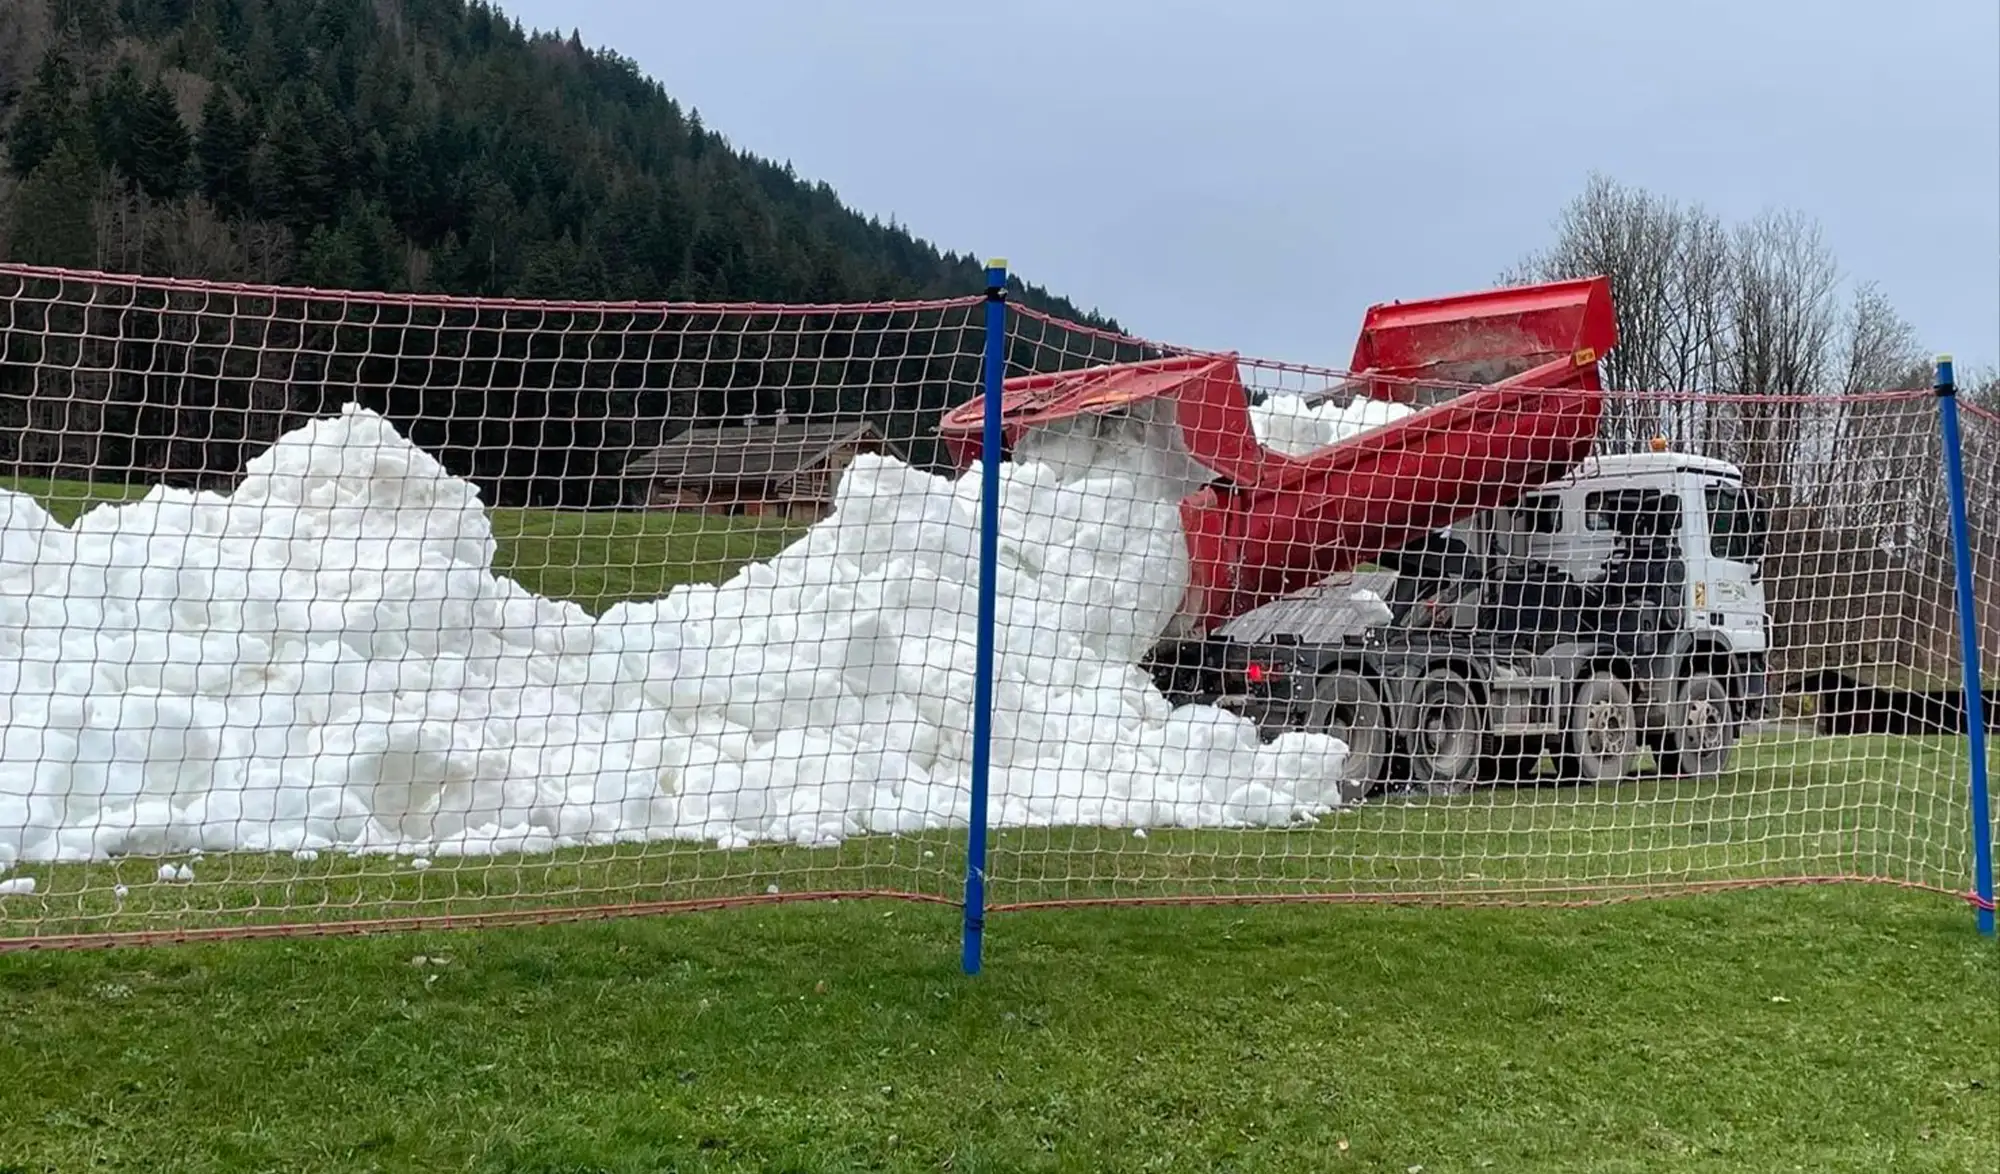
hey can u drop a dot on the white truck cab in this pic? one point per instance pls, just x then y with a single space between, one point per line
1691 528
1722 534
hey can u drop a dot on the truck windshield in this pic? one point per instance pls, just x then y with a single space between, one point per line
1735 524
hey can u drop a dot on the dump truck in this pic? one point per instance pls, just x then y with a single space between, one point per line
1540 599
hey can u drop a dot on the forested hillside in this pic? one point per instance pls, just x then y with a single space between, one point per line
422 145
407 145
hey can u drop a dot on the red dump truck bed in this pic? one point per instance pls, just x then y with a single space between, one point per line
1510 381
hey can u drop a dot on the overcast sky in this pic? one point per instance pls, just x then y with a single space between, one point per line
1251 174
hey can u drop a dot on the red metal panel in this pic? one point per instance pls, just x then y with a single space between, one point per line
1378 491
1537 323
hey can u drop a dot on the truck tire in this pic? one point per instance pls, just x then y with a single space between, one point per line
1601 731
1447 734
1702 734
1347 706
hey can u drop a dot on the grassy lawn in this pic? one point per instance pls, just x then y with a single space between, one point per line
1836 1029
69 500
600 559
1874 808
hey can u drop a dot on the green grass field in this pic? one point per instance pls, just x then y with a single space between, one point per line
1825 1029
1840 1029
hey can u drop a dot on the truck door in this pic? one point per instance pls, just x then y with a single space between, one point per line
1727 578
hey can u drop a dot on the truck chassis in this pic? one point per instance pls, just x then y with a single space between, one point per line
1489 678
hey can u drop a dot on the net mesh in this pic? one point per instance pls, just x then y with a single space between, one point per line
324 610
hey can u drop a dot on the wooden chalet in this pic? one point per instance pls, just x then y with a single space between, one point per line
780 470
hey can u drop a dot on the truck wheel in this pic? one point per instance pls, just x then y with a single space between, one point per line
1602 733
1447 735
1347 706
1703 733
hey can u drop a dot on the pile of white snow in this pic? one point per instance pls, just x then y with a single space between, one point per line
324 659
1290 426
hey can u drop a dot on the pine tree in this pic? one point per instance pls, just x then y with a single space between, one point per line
563 269
697 135
410 190
334 149
114 108
231 25
331 260
53 222
294 185
377 246
48 115
224 152
161 145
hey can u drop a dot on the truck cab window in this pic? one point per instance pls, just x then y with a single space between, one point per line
1633 513
1735 524
1542 515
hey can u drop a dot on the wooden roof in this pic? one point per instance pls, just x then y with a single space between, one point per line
747 452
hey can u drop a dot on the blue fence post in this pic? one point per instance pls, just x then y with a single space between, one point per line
1968 642
989 592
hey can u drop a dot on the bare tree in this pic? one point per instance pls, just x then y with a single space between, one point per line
193 241
124 217
269 248
1669 267
1783 319
1748 343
